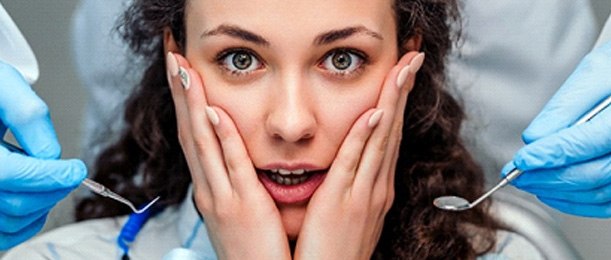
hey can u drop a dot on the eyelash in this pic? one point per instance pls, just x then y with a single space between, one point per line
221 60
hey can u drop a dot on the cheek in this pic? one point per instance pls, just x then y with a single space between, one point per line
340 110
244 107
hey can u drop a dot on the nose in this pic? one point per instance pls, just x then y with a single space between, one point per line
292 116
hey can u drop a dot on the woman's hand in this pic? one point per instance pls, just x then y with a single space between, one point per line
345 216
243 220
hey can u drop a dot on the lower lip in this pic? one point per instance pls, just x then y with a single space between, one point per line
292 194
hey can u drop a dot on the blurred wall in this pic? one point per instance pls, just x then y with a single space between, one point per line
46 25
602 8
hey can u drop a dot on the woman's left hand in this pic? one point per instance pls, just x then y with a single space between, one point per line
240 215
345 215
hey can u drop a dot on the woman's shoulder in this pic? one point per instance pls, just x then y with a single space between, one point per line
72 241
510 245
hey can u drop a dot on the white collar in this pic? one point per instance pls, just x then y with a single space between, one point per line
192 230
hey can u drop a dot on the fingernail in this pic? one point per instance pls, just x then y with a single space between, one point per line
184 77
172 64
375 118
416 63
212 116
402 76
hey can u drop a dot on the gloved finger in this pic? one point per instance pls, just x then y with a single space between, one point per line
22 111
568 146
21 173
580 209
22 204
586 175
8 240
13 224
594 196
584 89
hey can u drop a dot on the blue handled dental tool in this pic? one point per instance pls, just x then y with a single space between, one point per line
455 203
92 185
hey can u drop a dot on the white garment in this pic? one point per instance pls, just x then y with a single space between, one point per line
177 227
514 55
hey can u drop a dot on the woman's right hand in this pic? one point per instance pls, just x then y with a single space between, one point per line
242 218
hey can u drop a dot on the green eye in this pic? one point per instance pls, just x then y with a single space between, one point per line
343 62
241 60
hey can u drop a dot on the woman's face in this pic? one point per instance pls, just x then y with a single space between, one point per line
294 76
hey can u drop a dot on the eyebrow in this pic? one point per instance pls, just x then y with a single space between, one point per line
322 39
236 32
340 34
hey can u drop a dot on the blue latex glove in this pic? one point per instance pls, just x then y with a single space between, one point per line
570 168
29 185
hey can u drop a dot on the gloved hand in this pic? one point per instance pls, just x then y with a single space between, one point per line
570 168
29 185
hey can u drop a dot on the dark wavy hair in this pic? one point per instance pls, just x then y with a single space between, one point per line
148 161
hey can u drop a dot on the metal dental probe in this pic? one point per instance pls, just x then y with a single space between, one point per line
455 203
92 185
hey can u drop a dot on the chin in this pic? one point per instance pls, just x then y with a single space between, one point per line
292 219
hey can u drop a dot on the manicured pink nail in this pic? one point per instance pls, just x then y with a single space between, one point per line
374 119
402 76
172 64
212 116
416 63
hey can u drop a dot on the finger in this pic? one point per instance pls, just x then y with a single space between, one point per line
240 169
8 240
23 204
206 143
344 167
580 209
377 145
390 160
184 125
584 89
568 146
13 224
595 196
21 173
26 115
582 176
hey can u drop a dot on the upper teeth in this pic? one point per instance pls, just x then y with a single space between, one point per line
288 172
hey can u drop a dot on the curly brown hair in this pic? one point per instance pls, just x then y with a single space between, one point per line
148 161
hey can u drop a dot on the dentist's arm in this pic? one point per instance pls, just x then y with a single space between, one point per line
29 185
570 168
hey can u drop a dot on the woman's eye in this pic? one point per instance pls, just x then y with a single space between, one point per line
240 62
342 62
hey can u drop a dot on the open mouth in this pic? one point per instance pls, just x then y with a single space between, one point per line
291 186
